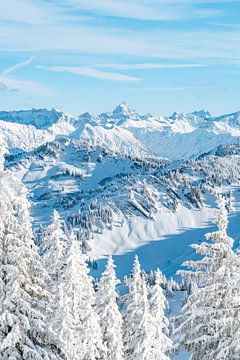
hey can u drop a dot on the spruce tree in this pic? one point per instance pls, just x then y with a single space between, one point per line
53 245
211 315
24 333
136 318
89 323
161 343
67 311
110 316
53 248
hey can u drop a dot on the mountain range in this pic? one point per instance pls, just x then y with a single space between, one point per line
126 181
122 128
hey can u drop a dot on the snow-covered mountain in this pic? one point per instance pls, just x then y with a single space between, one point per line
40 118
123 130
124 180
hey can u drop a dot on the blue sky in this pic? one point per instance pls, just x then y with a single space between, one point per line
159 56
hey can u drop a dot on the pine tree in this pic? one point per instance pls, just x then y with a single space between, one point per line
159 323
1 159
67 311
90 336
110 317
23 300
53 247
136 318
211 316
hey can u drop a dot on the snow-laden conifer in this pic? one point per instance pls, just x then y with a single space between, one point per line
161 343
108 311
1 159
68 308
90 336
211 316
53 245
136 317
23 300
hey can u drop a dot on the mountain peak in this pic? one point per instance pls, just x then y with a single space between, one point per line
87 117
202 113
123 109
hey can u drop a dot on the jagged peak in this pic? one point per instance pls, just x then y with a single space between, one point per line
40 118
121 112
86 117
202 113
199 113
123 109
176 116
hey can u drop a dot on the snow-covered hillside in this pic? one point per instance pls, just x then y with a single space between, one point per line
124 181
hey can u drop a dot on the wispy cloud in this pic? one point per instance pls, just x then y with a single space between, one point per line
160 10
177 87
20 65
90 72
145 66
10 83
135 9
55 12
67 30
30 12
161 88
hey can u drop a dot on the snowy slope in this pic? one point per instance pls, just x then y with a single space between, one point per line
103 175
20 136
128 183
124 203
26 130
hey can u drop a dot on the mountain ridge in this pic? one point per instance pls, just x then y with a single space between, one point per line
156 135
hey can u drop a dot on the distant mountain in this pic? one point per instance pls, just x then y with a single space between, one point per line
183 135
40 118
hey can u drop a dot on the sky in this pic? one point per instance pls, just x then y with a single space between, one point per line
159 56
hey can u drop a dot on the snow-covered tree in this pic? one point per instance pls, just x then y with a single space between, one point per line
53 246
23 300
1 159
211 315
172 285
68 308
159 323
110 317
89 336
136 318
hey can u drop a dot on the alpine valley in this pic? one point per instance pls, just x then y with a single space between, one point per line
127 183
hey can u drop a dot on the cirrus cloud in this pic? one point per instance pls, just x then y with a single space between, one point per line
90 72
20 65
10 83
145 66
